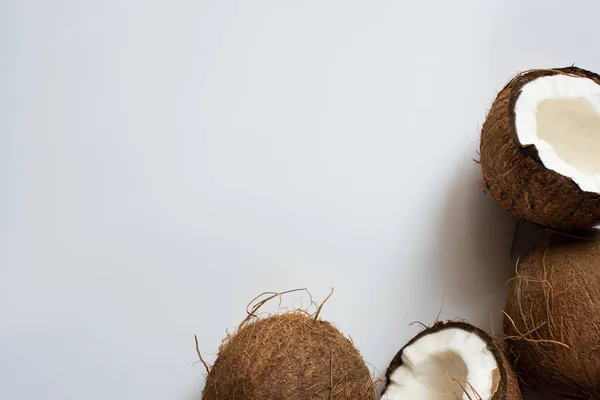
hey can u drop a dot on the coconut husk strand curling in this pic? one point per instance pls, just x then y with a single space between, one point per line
540 148
451 360
552 319
288 356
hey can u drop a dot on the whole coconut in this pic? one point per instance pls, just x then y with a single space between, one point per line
552 320
288 356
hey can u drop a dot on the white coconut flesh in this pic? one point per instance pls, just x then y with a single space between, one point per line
449 364
560 115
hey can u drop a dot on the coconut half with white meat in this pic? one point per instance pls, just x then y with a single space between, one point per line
540 148
449 361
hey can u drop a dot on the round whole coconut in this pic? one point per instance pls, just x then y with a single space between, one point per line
540 148
552 320
449 361
288 356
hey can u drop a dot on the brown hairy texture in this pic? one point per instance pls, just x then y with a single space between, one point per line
552 319
504 378
289 356
515 175
513 390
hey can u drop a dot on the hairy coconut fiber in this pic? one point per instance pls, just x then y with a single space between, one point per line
506 383
292 357
515 175
552 320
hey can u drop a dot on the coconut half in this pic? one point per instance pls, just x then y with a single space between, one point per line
449 361
540 148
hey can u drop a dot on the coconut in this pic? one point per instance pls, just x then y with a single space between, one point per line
449 361
552 319
288 356
540 147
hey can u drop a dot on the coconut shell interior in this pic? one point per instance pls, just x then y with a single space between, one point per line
289 356
515 175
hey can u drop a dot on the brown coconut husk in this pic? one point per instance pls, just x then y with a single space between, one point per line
515 175
292 356
505 382
552 319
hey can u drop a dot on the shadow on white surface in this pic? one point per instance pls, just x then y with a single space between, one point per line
473 264
477 255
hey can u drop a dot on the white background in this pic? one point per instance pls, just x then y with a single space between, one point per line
162 162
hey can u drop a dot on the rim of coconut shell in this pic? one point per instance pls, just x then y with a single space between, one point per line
503 379
516 85
513 171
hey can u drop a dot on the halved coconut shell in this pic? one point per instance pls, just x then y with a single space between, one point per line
540 148
451 360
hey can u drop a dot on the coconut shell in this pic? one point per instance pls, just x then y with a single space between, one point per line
552 320
289 356
515 175
505 381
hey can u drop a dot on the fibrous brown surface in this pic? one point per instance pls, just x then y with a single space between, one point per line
552 320
515 175
504 381
290 356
